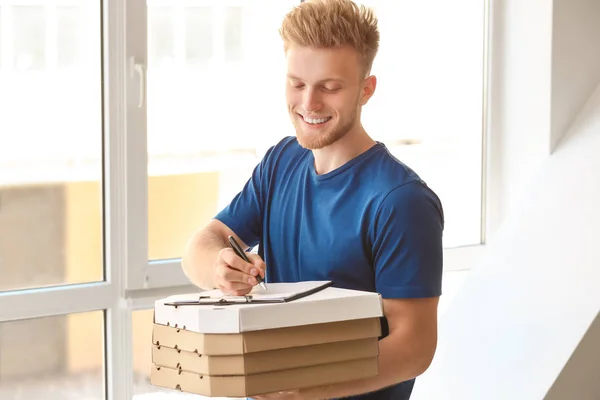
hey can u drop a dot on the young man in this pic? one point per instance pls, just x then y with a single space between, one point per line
333 204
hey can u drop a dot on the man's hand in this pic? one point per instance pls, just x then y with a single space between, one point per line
235 276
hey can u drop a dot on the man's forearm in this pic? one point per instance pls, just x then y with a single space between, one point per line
199 257
397 363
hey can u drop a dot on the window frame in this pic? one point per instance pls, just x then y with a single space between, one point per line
108 295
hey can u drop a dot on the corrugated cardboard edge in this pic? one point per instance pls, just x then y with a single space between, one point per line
271 339
153 323
250 345
251 385
268 361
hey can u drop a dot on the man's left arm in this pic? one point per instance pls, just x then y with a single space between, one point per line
404 354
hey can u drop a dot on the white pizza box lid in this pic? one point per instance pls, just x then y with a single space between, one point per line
281 305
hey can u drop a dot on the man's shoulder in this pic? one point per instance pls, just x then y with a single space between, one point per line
391 170
398 187
388 176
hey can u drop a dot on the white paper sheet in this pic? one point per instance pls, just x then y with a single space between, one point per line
275 291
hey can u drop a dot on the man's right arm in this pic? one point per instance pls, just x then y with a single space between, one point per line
209 262
201 252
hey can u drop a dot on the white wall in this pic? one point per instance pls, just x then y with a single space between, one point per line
519 99
575 60
544 64
524 309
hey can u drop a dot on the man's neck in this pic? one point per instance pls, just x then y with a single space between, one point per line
345 149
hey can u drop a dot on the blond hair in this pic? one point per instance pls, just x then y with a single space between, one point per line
333 24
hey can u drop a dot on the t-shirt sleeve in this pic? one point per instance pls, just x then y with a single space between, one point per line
407 246
244 214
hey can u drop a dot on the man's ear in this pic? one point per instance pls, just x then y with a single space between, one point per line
368 89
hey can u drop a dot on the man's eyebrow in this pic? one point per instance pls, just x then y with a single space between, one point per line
321 81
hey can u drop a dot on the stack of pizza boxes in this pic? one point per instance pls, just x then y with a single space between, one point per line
294 335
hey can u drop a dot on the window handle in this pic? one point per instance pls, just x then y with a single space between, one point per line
139 69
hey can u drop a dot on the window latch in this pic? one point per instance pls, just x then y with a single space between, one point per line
139 68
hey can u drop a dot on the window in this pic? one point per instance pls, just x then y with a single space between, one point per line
233 29
201 150
69 29
199 147
51 255
64 362
199 36
433 61
50 157
29 37
161 36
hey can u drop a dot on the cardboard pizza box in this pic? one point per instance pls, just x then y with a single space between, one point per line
268 382
265 361
211 344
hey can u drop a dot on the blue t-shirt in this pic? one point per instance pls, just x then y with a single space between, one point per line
371 224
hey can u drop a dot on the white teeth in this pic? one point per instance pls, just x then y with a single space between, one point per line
316 120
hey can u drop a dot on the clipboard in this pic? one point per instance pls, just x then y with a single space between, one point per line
256 298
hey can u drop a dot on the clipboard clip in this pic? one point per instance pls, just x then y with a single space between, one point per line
223 301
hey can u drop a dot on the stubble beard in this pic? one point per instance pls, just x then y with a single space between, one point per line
322 139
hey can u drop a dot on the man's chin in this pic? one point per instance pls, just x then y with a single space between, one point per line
311 142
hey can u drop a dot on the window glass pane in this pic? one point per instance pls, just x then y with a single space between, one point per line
53 358
29 43
68 43
199 47
142 363
200 145
428 104
427 110
161 36
234 23
51 151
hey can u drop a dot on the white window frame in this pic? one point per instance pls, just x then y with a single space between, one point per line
121 237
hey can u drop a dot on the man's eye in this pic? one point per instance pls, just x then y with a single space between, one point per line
332 89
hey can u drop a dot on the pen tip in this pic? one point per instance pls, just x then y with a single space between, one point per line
262 285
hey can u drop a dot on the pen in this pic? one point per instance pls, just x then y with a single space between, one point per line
238 250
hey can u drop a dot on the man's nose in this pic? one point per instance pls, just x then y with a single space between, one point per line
312 100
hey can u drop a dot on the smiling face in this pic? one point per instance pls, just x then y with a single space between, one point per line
325 91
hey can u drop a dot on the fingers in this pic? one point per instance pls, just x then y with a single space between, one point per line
236 276
228 274
258 263
254 268
236 262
